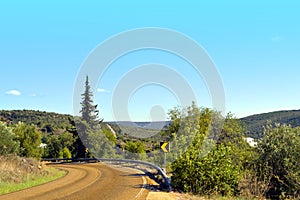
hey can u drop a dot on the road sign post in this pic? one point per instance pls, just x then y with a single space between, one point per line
86 152
165 146
165 162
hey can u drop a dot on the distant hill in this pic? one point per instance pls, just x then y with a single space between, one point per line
156 125
45 121
255 123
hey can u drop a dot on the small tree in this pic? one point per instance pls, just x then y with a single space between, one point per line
30 140
53 146
8 143
279 159
65 153
204 168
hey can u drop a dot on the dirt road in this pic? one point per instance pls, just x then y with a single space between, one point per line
87 181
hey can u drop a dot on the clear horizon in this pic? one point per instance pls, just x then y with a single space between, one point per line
254 45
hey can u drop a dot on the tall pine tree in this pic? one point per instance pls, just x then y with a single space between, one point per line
89 111
84 128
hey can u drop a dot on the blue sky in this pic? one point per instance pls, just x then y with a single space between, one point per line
255 45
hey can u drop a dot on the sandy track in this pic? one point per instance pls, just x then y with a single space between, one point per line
87 181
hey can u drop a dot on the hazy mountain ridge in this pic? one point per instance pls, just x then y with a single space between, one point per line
156 125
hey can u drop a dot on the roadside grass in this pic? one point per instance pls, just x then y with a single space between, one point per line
20 173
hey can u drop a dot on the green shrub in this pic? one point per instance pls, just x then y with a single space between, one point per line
30 140
8 143
209 167
65 153
212 174
279 160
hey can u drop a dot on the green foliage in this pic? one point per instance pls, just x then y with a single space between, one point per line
57 143
100 145
135 150
232 135
135 147
212 174
67 140
53 147
92 138
100 142
47 122
183 129
109 135
89 110
81 130
65 153
207 167
279 159
8 143
30 140
232 131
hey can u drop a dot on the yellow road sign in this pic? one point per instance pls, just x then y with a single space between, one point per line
165 146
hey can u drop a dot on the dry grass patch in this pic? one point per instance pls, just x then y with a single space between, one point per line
14 169
20 173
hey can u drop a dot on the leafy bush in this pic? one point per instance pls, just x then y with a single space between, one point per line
213 172
30 140
279 160
8 143
65 153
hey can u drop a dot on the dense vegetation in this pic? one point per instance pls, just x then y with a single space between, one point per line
47 122
54 123
208 152
232 167
279 160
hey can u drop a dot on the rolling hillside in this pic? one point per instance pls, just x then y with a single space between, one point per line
45 121
156 125
255 123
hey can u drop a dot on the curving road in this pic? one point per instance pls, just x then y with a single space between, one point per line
87 181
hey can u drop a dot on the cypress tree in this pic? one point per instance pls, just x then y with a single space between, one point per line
89 111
